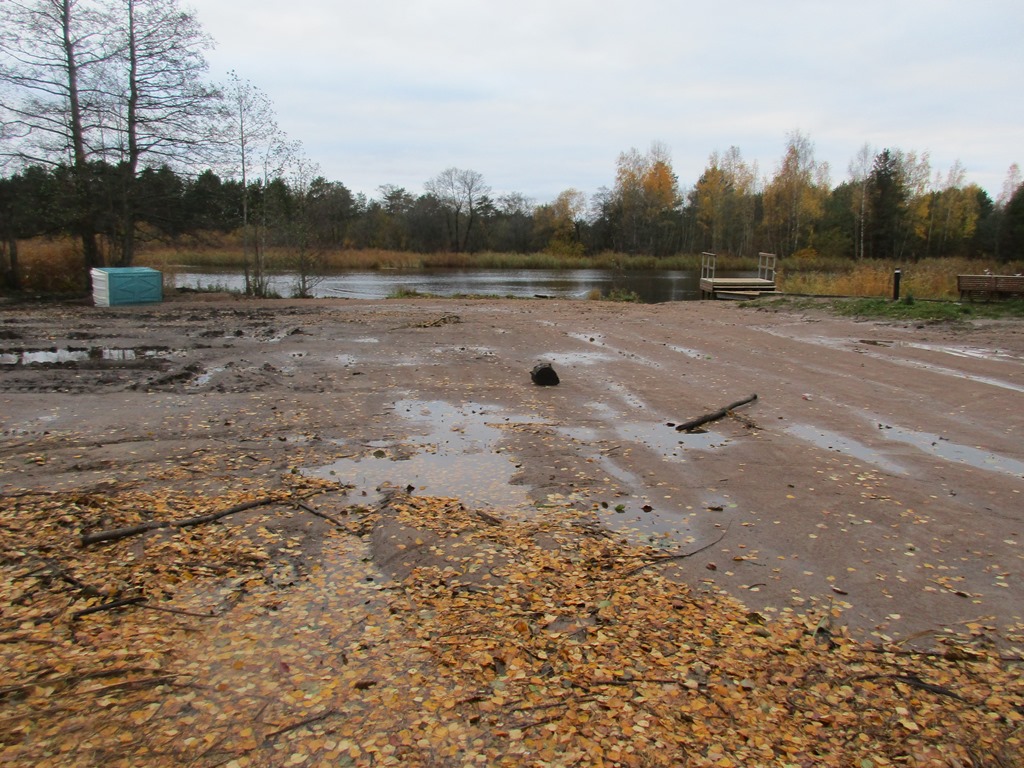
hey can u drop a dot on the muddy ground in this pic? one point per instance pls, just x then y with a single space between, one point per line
880 470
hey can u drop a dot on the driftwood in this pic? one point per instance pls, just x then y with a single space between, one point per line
721 413
152 525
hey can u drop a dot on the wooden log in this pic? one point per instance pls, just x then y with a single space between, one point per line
714 416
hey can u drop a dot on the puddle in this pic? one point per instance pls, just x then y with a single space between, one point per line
479 351
656 436
833 441
204 378
458 457
597 340
80 354
577 358
696 354
961 375
969 352
590 338
939 446
627 396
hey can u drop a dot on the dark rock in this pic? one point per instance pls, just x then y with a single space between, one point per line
544 375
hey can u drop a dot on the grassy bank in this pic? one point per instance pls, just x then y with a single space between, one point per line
924 279
908 309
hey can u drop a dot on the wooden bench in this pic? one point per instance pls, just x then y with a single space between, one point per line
990 286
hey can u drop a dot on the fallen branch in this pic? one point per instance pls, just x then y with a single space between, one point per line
715 416
152 525
177 611
108 606
916 682
63 574
317 513
300 724
666 558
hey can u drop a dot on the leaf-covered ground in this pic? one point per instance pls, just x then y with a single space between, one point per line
275 637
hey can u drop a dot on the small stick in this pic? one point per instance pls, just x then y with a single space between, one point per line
719 414
666 558
108 606
322 515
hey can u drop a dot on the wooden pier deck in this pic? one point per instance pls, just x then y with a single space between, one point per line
737 287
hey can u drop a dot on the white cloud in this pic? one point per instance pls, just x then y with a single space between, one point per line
540 96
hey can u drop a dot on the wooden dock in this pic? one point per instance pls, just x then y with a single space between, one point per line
737 287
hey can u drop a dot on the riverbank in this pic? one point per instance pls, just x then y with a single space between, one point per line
869 499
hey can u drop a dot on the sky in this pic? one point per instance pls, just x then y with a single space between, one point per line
539 96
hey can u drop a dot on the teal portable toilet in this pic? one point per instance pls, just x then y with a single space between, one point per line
113 286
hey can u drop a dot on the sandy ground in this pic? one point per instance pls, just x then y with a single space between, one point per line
881 468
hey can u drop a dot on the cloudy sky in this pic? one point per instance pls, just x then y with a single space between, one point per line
542 95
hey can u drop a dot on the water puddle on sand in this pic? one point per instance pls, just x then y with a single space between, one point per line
939 446
969 352
62 355
696 354
458 457
833 441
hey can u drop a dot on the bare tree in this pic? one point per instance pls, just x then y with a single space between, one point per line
459 193
52 56
163 107
252 139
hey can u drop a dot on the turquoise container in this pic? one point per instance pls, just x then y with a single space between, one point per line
115 286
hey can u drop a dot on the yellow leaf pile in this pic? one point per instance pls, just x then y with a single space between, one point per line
275 640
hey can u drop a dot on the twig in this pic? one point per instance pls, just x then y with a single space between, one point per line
715 416
131 685
487 518
63 574
300 724
123 533
666 558
108 606
177 611
916 682
322 515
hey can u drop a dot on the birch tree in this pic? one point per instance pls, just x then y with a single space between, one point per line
252 142
794 198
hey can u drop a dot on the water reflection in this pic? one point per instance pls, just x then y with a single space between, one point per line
651 286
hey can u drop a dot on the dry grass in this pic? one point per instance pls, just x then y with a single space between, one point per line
926 279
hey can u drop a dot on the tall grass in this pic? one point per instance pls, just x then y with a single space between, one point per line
230 257
925 279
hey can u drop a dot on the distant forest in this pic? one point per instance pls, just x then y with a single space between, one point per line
111 136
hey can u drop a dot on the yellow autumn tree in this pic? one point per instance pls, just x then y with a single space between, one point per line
558 223
645 198
794 199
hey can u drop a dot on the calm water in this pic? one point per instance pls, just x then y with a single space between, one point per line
652 286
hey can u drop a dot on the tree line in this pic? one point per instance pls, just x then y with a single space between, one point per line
110 132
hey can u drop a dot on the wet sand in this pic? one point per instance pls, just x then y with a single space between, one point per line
880 470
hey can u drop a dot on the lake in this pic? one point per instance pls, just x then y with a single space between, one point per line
652 286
